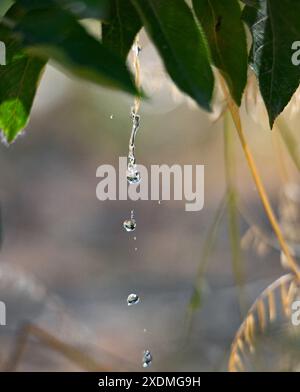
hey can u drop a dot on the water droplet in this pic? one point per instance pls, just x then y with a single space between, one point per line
135 249
134 238
147 359
145 330
133 176
133 299
159 201
129 225
111 116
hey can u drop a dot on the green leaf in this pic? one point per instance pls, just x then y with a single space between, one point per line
4 6
274 26
221 22
252 3
97 9
52 32
19 79
119 33
181 44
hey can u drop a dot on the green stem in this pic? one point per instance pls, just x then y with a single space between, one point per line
233 213
196 300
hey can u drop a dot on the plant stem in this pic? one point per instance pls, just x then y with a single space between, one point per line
234 110
211 237
233 213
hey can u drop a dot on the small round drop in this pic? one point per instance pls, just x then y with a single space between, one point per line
133 299
129 225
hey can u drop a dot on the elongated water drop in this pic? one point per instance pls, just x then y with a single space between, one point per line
147 359
133 299
133 175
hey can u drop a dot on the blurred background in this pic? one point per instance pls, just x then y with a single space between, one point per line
67 265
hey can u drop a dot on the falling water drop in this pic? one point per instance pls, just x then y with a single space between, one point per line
134 238
147 359
133 175
159 201
111 116
133 299
135 249
130 224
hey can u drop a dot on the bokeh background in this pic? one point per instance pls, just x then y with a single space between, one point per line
68 266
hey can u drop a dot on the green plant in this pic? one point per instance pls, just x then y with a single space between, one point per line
189 39
201 42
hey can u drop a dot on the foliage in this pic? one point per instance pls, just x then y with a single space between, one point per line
221 21
275 27
190 39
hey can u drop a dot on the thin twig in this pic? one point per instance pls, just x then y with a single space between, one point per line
73 354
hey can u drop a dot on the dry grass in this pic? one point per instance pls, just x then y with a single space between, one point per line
262 313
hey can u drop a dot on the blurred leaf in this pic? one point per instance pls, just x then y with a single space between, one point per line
69 44
18 83
274 26
181 44
252 3
221 22
119 33
4 6
96 9
195 301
